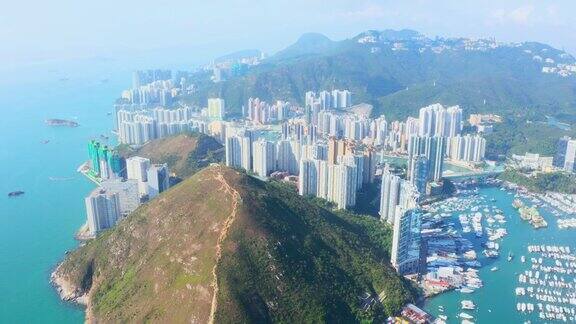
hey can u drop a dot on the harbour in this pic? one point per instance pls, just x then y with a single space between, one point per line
497 253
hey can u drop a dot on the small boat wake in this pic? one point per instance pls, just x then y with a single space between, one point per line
60 178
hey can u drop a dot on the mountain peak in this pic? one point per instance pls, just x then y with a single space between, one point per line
308 38
307 44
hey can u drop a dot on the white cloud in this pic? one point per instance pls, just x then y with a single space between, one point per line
368 12
523 15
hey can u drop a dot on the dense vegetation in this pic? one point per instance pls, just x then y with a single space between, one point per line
557 181
286 258
518 136
308 264
368 199
505 80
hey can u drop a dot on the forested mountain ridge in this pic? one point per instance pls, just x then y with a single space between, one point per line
400 71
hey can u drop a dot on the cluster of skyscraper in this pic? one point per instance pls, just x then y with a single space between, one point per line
336 171
332 169
137 125
143 77
399 208
327 148
156 87
140 126
467 148
437 121
429 149
122 185
329 99
216 109
105 162
161 92
260 112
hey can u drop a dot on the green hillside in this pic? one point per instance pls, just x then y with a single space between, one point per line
185 154
222 246
503 79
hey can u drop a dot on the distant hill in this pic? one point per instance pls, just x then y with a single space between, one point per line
184 153
224 247
307 44
247 53
400 71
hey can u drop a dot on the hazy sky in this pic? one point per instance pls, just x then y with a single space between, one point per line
61 29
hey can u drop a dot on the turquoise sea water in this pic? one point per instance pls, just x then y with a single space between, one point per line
37 228
496 300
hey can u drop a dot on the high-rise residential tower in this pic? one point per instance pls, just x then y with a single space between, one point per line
102 210
264 157
216 108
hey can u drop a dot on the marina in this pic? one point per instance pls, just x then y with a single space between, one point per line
479 246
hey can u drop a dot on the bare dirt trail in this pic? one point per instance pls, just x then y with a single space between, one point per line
223 234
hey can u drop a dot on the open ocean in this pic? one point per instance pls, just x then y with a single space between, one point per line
36 229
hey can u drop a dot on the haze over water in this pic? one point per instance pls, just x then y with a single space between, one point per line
37 228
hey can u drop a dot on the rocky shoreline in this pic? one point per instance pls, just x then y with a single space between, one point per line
69 293
66 290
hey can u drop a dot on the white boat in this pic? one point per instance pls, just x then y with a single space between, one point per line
468 305
466 316
523 259
466 290
494 269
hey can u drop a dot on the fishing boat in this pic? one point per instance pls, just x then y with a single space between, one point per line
466 290
494 269
523 259
510 256
15 193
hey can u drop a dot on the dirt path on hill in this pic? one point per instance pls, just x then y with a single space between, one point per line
223 234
